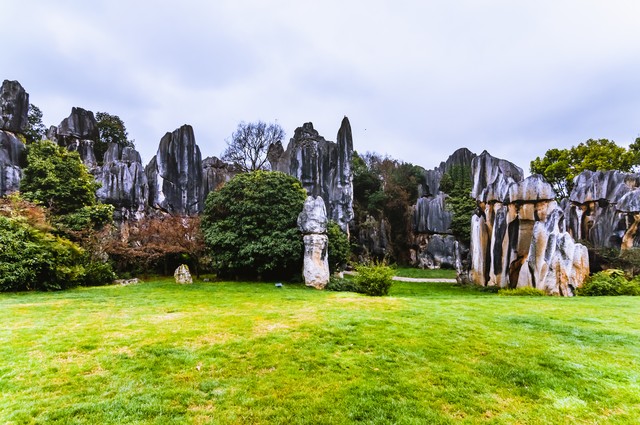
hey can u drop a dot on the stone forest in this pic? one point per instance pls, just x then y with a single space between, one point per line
516 232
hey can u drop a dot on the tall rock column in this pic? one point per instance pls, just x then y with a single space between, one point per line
312 222
14 107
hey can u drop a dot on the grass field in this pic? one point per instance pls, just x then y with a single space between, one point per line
158 353
425 273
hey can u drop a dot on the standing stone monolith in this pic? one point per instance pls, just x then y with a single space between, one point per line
312 222
182 275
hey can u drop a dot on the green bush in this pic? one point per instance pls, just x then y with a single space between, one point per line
31 259
374 279
526 291
339 247
609 282
342 285
98 274
250 226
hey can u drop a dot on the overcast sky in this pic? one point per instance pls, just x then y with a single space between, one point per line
417 79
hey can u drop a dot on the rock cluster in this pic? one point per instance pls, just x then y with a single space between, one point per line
175 174
323 167
78 132
312 222
14 109
518 236
434 245
604 208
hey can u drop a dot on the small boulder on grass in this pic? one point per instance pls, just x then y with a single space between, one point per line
182 275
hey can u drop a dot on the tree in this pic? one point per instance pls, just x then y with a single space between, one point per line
112 130
249 226
457 184
249 144
339 249
57 179
35 128
560 166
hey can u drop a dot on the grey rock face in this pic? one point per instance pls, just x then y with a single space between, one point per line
313 218
175 174
461 158
214 173
124 183
182 275
323 167
519 238
373 237
81 124
602 209
312 222
430 215
12 154
78 132
493 175
435 251
14 107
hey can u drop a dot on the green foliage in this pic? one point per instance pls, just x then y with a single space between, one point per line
98 273
31 259
339 248
560 166
112 130
249 225
57 179
337 284
609 282
35 130
526 291
88 217
374 279
457 184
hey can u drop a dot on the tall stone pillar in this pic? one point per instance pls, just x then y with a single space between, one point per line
312 222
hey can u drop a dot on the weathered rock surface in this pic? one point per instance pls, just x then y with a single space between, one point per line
602 209
12 154
461 158
175 174
312 222
214 173
518 237
434 251
78 132
182 275
430 215
373 238
124 183
313 218
323 167
14 107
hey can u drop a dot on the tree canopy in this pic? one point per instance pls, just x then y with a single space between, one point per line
560 166
112 130
57 179
35 130
250 225
248 146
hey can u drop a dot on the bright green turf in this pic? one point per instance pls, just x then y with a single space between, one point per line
250 353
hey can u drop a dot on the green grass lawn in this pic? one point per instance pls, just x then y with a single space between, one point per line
159 353
425 273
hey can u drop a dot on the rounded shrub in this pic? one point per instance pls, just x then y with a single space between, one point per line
609 282
374 279
526 291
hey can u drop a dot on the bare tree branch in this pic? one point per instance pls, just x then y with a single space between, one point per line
249 144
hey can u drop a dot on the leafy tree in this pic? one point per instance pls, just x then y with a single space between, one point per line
249 225
57 179
112 130
35 128
560 166
457 184
339 249
33 259
249 144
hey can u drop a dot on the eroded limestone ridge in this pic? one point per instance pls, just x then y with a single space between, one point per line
14 109
518 236
323 167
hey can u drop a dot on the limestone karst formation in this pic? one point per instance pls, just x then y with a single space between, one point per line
323 167
312 222
518 236
14 108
